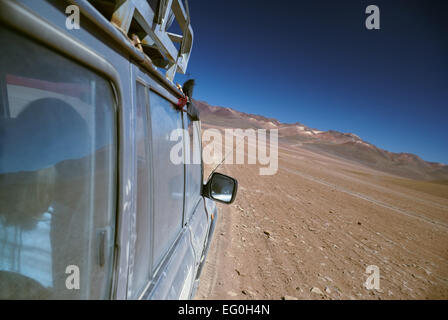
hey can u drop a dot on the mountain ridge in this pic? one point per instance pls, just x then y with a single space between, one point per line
341 144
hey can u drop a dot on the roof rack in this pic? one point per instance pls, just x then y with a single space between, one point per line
146 24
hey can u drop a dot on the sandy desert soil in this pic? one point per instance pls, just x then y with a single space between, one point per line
310 231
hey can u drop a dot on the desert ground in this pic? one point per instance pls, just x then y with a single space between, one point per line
310 231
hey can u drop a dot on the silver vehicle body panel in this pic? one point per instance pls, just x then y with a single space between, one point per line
102 48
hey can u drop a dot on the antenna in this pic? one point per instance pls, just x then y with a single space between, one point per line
225 157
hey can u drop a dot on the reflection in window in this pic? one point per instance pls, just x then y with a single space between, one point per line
57 174
168 178
193 172
28 252
142 260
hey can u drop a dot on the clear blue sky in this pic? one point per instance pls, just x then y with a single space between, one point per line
314 62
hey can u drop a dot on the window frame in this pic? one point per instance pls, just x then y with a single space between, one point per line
152 86
199 133
22 21
167 254
139 80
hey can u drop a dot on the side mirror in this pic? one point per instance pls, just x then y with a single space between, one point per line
221 188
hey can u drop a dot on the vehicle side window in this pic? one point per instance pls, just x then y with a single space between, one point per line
168 177
140 275
193 170
58 151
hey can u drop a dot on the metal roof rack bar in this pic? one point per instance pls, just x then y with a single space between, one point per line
157 43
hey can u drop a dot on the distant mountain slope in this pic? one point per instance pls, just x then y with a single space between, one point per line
345 145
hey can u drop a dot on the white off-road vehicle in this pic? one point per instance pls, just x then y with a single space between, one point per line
91 206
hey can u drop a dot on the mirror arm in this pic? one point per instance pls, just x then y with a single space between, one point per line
206 190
